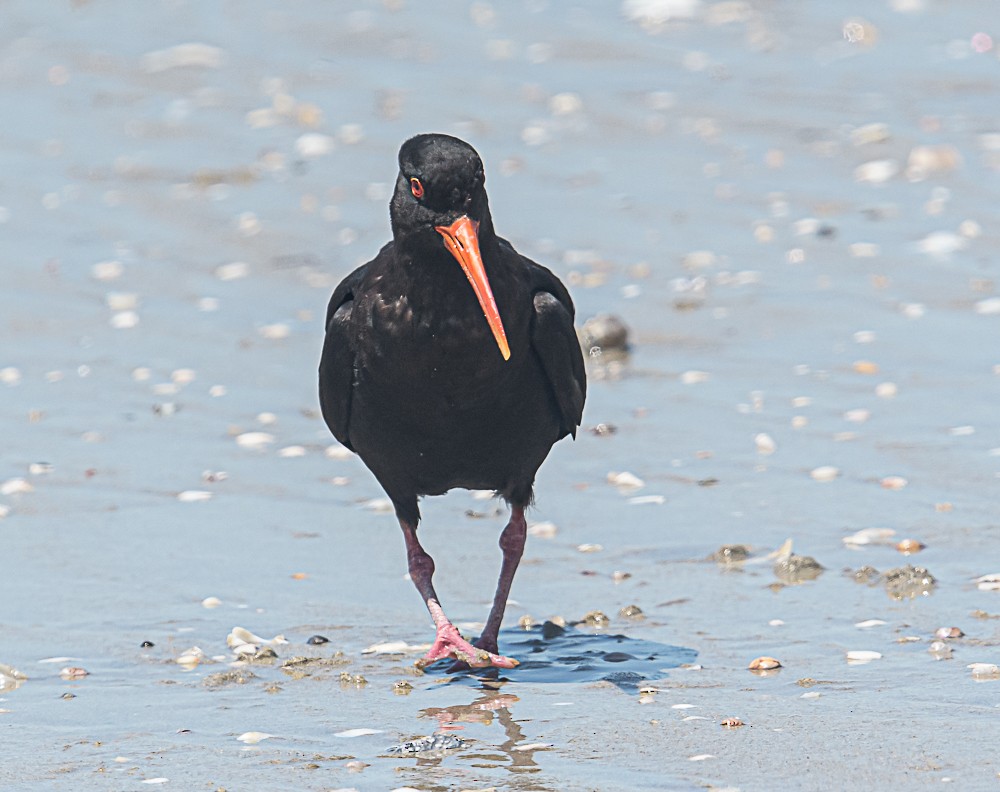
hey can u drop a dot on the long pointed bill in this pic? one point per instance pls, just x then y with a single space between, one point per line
462 241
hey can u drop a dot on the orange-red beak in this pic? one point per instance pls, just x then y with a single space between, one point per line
462 240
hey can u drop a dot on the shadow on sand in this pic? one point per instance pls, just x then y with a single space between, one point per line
551 654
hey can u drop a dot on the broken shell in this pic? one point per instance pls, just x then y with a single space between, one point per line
191 657
596 618
625 480
631 612
732 723
765 443
543 530
824 473
254 737
16 486
254 439
211 602
893 482
764 663
74 672
864 625
194 496
870 536
863 656
240 635
989 582
910 546
590 547
948 632
984 670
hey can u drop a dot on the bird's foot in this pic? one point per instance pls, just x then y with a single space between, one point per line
450 643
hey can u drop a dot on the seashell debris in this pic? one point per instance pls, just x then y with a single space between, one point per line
859 656
764 663
868 536
254 737
989 582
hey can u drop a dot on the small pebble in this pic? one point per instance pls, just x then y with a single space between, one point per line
945 633
73 672
893 482
211 602
764 664
147 645
317 640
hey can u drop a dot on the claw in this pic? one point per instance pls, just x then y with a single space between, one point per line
450 643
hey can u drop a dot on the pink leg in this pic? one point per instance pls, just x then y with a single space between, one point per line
448 641
512 545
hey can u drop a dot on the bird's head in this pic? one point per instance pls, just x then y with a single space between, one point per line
440 203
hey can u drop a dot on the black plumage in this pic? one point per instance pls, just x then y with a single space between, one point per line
451 360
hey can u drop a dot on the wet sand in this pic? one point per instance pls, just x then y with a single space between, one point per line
793 210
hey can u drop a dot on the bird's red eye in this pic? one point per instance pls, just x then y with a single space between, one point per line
416 188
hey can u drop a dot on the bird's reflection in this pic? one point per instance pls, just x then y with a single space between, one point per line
491 705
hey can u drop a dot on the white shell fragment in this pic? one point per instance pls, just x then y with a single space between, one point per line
274 332
859 656
16 486
394 648
988 307
232 271
984 670
254 737
868 536
765 443
193 496
694 377
337 451
292 451
589 547
241 635
211 602
313 144
254 439
625 480
543 530
107 270
700 757
824 473
357 732
193 54
989 582
641 500
191 657
868 623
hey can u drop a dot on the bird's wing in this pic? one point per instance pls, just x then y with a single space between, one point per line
554 340
336 366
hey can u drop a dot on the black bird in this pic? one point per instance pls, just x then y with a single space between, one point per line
450 360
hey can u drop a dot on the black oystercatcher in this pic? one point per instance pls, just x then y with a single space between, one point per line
451 360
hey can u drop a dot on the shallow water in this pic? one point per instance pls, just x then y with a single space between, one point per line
698 178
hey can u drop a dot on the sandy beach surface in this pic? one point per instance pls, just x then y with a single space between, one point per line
794 209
